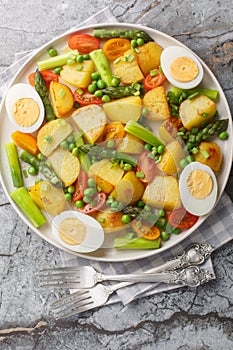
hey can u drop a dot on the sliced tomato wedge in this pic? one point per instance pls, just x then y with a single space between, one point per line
85 98
146 230
112 131
48 76
181 218
147 166
151 82
99 200
80 186
116 47
84 43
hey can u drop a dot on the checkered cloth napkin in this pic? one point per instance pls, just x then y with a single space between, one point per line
216 230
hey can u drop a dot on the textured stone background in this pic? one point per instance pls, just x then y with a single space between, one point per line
186 319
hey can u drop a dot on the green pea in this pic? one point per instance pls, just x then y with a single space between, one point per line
147 208
164 235
115 81
98 93
95 76
140 41
70 139
190 158
110 144
58 70
160 149
79 58
126 218
183 163
40 156
223 135
75 151
134 43
161 213
86 56
105 98
140 175
91 182
92 87
71 146
64 145
114 205
52 52
141 204
87 199
127 167
79 204
68 196
147 147
90 191
109 201
32 170
101 84
71 189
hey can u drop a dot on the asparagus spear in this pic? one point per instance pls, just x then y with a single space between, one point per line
22 198
122 91
42 90
14 164
121 33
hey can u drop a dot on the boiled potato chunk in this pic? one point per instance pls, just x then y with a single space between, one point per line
195 111
47 197
163 192
105 175
127 68
78 74
65 165
210 154
110 221
91 121
52 134
171 157
61 98
149 56
124 109
129 189
155 101
130 144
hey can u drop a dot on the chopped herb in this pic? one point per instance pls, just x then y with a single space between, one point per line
61 93
205 115
117 60
153 72
79 67
130 58
48 139
205 154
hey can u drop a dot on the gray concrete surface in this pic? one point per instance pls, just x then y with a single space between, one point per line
186 319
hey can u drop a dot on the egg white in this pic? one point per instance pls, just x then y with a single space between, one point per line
196 206
17 92
94 237
168 55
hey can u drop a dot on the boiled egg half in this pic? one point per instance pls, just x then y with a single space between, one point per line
24 108
181 67
198 188
77 231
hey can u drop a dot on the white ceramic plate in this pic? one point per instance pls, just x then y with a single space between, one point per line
106 253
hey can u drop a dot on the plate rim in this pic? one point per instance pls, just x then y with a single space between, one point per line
153 33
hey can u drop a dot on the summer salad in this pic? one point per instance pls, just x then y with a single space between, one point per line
120 129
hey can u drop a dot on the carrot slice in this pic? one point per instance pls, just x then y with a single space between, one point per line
25 141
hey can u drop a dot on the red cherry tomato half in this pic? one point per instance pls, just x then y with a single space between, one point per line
84 43
86 98
147 166
99 200
80 186
181 218
48 76
151 82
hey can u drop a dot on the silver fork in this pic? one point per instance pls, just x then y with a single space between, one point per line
86 276
87 299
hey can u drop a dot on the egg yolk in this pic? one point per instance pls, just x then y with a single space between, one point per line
200 184
72 231
25 112
184 69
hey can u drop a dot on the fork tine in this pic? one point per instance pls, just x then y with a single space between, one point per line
62 269
71 285
58 277
75 311
70 298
